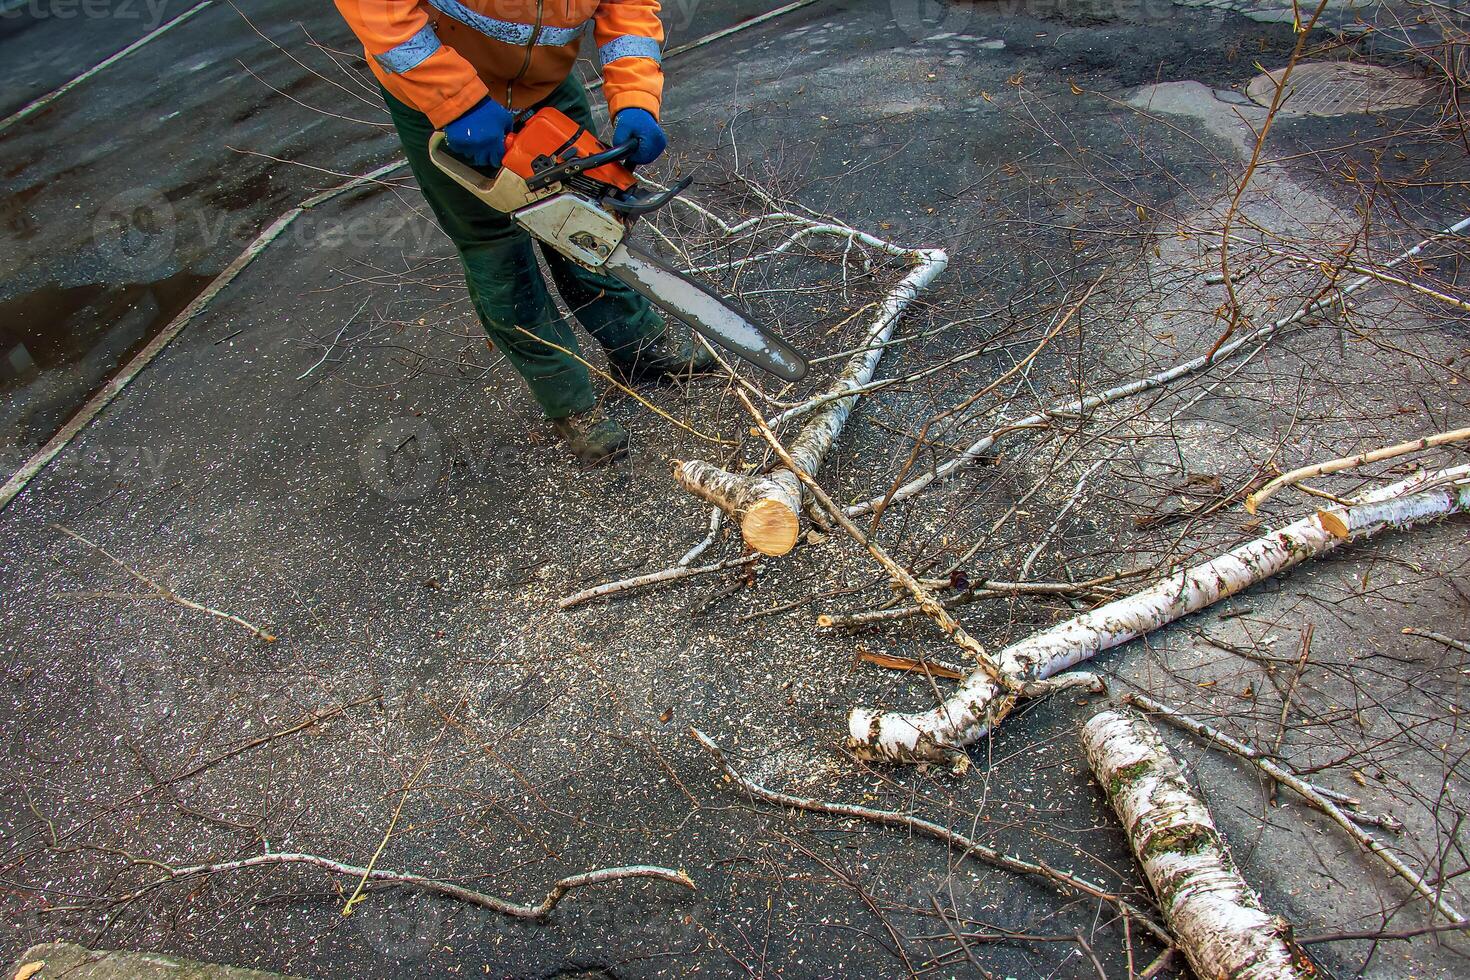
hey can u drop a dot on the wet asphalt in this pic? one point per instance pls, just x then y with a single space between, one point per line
240 471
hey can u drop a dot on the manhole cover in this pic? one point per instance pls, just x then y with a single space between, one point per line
1336 88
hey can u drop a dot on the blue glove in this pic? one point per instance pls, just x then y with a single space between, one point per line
479 135
639 124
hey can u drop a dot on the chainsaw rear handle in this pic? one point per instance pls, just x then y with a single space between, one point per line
504 191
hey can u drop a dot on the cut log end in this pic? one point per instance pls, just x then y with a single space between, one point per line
1333 524
770 527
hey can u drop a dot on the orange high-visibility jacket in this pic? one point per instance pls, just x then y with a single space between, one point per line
444 56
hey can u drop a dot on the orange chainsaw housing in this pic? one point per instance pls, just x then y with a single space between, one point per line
548 134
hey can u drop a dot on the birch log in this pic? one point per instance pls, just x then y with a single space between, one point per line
768 505
1218 921
940 735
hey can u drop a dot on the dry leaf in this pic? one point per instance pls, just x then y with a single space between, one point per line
29 970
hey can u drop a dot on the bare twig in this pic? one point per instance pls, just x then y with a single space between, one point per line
1312 795
673 574
1448 641
890 818
166 593
922 596
1254 500
432 885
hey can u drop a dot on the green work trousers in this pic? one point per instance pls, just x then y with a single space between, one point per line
506 286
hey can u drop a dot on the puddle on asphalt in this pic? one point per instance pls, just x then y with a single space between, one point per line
240 196
58 345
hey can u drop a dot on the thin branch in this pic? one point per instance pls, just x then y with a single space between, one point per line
1308 792
890 818
653 578
432 885
166 593
1254 500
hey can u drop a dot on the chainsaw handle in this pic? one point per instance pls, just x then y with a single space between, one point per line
503 190
580 165
461 170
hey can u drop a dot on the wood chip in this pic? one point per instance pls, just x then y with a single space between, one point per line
909 663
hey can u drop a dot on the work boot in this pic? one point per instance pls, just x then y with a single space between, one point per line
591 436
673 354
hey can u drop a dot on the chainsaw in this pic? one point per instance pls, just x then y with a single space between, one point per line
568 190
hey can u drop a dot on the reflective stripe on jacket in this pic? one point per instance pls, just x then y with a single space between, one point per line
443 56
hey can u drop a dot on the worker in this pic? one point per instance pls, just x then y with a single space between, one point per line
464 66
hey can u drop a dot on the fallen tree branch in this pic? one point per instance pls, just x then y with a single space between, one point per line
913 665
653 578
979 702
977 450
1217 920
922 596
165 593
1320 797
310 721
1381 936
716 518
1254 500
867 617
891 818
1093 590
768 505
1448 641
434 886
1314 795
1020 367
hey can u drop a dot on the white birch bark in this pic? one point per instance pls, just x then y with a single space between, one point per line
1218 921
768 506
966 715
